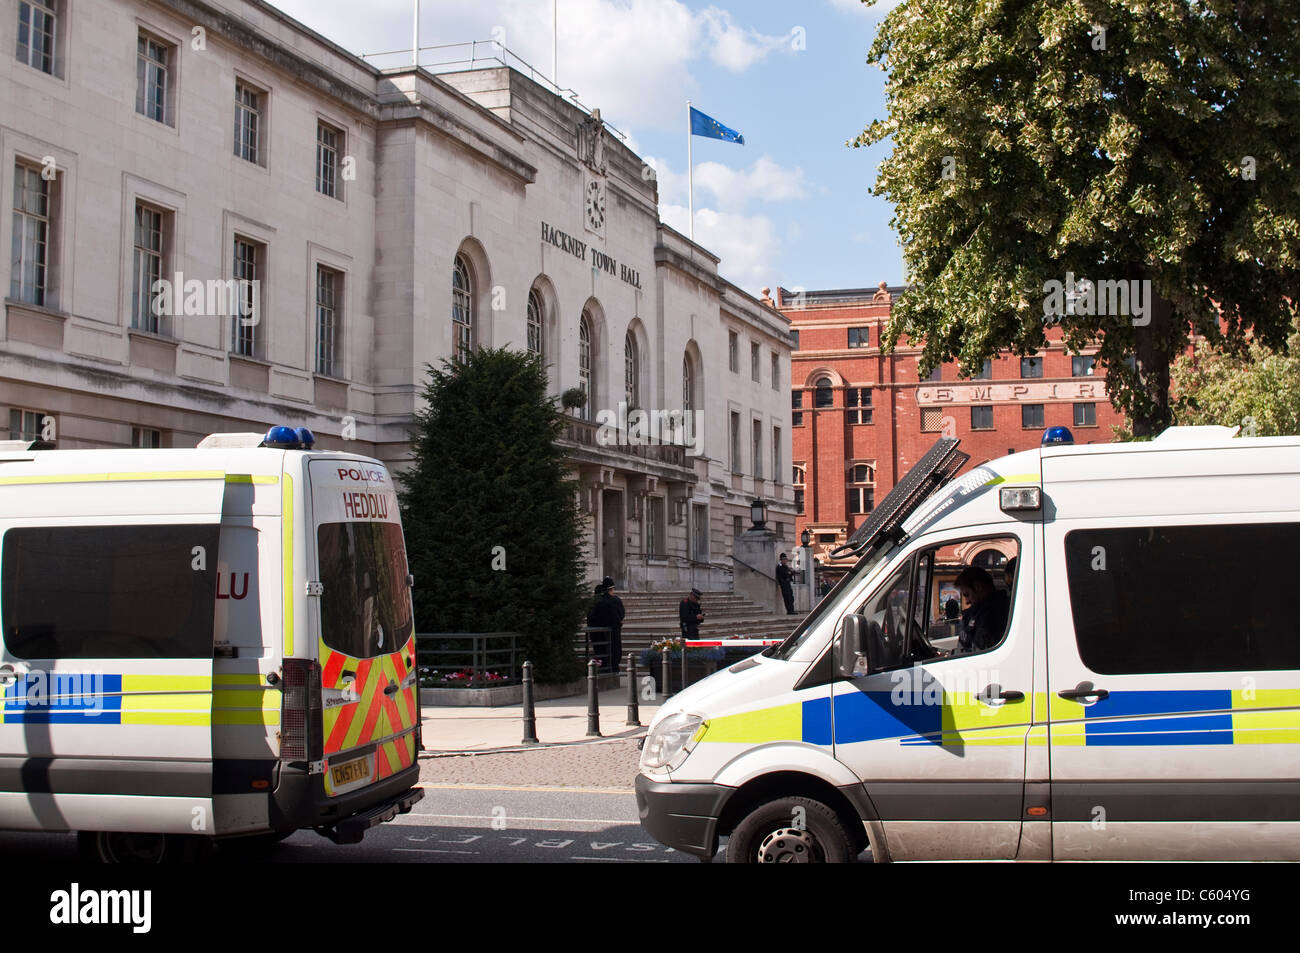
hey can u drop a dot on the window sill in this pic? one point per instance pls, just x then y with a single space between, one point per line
156 336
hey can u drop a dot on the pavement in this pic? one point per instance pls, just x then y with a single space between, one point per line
453 729
470 747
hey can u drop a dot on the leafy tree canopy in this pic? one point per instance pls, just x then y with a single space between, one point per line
491 520
1133 140
1257 390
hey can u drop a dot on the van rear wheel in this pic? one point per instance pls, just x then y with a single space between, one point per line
127 847
790 830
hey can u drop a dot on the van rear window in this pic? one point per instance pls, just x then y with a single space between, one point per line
366 606
108 592
1185 598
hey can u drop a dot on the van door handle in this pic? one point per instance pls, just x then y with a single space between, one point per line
993 693
9 674
1084 690
390 688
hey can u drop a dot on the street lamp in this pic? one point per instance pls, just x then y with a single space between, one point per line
758 513
805 538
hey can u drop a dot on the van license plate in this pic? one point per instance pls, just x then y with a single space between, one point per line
350 771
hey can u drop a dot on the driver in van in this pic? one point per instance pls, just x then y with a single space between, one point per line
985 619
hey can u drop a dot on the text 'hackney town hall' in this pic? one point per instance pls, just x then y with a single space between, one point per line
323 229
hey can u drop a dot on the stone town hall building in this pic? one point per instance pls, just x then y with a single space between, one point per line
329 229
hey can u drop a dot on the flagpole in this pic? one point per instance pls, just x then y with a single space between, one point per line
415 54
555 44
690 171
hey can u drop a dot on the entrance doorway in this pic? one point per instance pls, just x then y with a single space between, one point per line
611 523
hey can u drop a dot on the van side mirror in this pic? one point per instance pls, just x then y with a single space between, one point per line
851 647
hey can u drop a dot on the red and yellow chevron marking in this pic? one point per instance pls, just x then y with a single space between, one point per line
374 715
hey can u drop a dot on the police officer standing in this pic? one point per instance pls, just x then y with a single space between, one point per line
691 614
785 577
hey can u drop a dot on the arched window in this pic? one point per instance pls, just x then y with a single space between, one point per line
462 309
823 396
631 373
584 364
535 335
688 384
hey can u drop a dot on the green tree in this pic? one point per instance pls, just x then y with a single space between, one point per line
1257 390
1135 140
488 473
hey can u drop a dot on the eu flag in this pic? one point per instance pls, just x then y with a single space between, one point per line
710 128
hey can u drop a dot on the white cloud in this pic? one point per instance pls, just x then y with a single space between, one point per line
747 244
879 8
732 46
731 189
630 58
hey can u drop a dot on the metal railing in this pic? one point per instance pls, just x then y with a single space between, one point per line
483 54
593 642
478 653
584 434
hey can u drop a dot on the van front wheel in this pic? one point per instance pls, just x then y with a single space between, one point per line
790 830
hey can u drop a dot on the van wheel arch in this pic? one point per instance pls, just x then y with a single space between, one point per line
767 787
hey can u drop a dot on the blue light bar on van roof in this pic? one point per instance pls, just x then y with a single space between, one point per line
306 438
284 438
1053 435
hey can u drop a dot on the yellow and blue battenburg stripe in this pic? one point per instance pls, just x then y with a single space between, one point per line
84 698
1151 718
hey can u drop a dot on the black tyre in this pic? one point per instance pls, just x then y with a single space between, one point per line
791 830
124 847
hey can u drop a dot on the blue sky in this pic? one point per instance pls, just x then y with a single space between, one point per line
789 207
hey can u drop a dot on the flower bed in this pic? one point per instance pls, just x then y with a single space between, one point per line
458 678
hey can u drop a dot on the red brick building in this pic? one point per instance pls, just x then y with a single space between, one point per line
861 418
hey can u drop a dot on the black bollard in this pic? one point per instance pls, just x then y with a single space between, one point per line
593 700
530 711
667 672
633 706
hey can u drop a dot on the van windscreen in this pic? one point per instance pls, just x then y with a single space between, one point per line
366 607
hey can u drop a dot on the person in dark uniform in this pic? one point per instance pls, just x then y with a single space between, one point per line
785 578
985 620
691 614
607 612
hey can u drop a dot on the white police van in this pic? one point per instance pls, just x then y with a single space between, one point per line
203 644
1134 694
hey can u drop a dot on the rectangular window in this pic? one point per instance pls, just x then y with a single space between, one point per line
248 122
30 263
1184 598
862 499
329 147
737 526
794 336
776 454
1085 415
700 532
936 374
735 442
798 500
758 449
981 418
110 592
365 610
858 402
37 24
859 337
656 528
796 403
151 78
776 371
27 425
733 352
986 372
245 321
147 268
1081 365
931 419
1031 367
754 370
329 285
1031 415
142 438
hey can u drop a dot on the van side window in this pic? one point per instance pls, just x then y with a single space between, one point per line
967 600
108 592
1185 598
